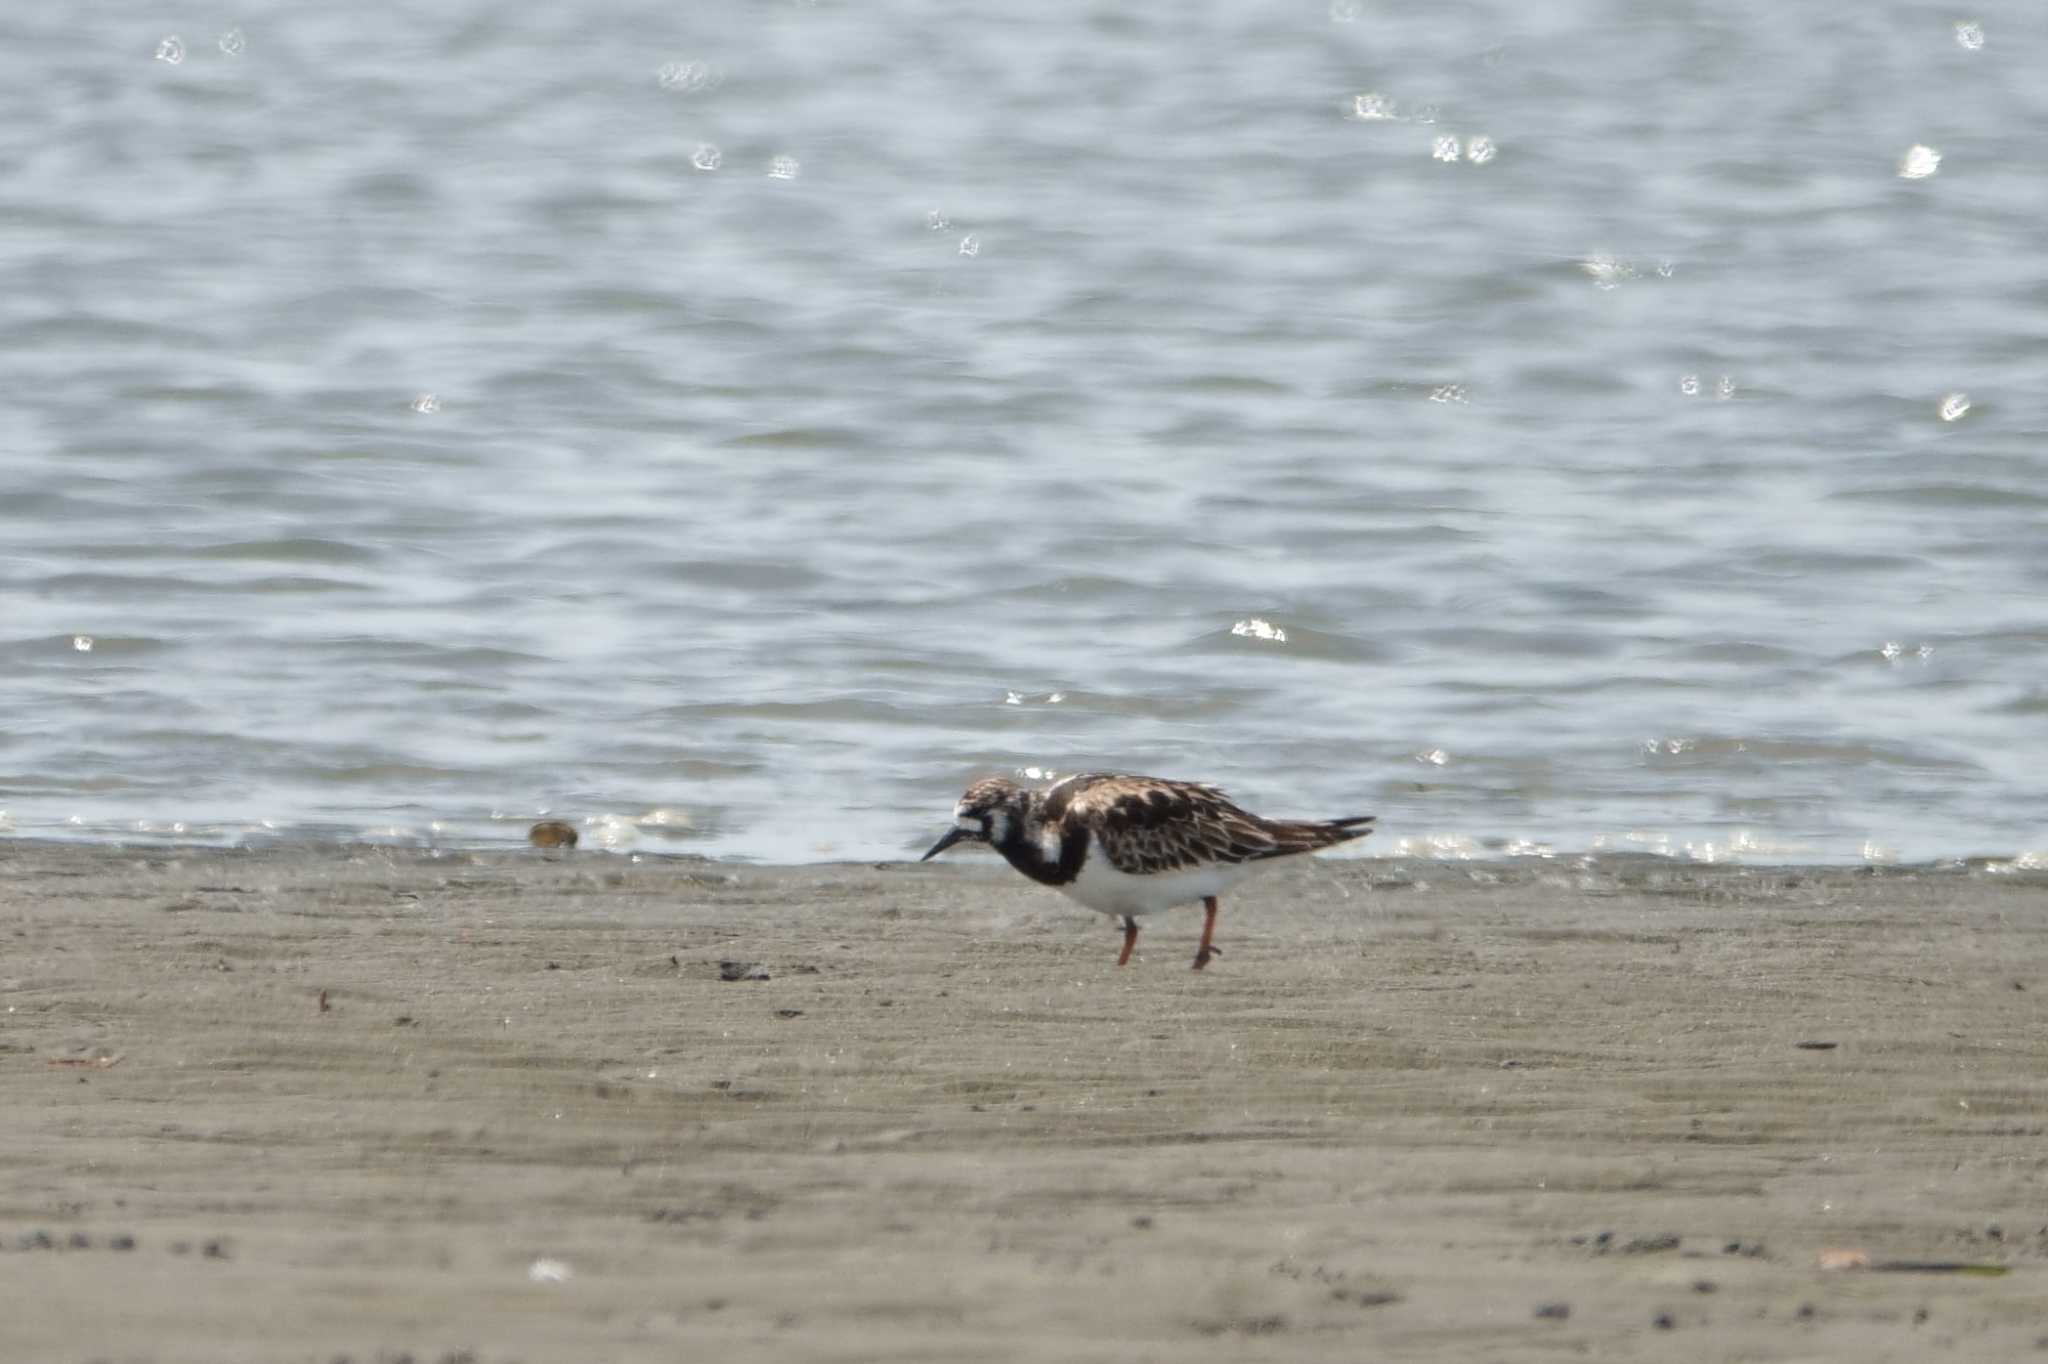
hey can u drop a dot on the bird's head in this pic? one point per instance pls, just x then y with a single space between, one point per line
986 813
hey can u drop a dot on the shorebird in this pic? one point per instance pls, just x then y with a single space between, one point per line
1128 846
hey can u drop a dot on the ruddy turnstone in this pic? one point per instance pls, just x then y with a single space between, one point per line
1128 846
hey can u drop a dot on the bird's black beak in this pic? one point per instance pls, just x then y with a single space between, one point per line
951 836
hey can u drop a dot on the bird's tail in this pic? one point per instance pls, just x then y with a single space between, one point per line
1292 836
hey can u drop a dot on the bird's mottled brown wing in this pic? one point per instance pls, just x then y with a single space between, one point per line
1146 825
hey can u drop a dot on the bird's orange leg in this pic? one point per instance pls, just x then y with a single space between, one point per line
1130 939
1209 948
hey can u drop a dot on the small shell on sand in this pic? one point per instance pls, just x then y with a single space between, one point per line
552 833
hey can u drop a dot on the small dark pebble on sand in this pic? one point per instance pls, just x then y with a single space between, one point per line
741 970
789 1013
1705 1286
1662 1321
552 833
1364 1298
1806 1311
1651 1245
80 1241
1271 1324
1554 1311
215 1250
122 1242
1816 1046
1142 1222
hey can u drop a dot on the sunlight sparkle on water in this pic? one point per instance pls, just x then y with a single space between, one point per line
1690 385
1445 149
1442 847
232 42
1954 406
1253 628
937 221
1372 108
1919 162
171 50
1969 35
1480 150
1607 271
82 643
784 168
970 245
706 157
688 78
427 403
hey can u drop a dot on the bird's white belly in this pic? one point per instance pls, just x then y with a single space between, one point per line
1106 890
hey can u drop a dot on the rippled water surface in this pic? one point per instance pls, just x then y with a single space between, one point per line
737 424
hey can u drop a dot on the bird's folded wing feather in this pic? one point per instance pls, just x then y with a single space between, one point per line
1147 825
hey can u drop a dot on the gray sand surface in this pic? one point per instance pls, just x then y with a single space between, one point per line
1409 1106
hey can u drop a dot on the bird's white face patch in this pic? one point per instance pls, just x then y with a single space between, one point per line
1049 842
999 826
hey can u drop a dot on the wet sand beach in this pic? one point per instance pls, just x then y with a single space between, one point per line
363 1104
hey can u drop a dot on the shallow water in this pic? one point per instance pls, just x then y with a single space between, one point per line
408 433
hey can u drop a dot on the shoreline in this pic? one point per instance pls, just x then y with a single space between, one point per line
315 1102
1455 852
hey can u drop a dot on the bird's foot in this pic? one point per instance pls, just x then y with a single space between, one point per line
1202 957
